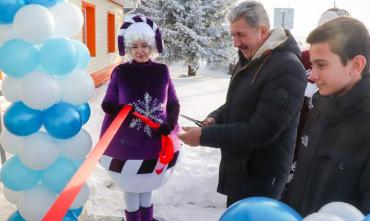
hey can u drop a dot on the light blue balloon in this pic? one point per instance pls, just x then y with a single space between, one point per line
77 163
57 176
58 56
367 218
85 111
46 3
258 209
16 217
62 120
22 120
17 177
8 8
83 55
18 57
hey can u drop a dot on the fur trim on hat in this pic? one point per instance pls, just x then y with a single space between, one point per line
138 27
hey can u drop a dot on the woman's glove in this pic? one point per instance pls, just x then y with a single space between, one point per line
164 129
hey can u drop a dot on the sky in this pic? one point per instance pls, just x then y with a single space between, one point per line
307 13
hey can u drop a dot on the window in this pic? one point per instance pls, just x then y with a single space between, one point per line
111 26
88 31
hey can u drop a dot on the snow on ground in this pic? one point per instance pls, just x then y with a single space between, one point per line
190 194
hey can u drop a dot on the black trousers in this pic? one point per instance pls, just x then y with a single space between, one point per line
232 199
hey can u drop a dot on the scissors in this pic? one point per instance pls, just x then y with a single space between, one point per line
197 122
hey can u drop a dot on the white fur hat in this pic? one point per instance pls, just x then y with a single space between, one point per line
139 27
331 14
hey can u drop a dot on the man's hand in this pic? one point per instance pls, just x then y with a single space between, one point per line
209 121
191 136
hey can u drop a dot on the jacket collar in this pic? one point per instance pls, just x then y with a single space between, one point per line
336 108
277 37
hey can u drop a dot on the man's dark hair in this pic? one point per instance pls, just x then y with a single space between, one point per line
347 37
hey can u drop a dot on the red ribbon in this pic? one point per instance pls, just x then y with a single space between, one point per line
167 151
66 198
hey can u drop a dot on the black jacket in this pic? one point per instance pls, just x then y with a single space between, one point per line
256 127
334 157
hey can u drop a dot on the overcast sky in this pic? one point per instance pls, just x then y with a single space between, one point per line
307 12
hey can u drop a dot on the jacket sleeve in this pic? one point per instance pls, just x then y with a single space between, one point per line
364 189
280 100
217 114
173 105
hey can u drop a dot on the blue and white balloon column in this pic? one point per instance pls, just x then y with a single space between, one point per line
48 87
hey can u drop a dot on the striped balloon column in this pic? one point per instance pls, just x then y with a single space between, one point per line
48 89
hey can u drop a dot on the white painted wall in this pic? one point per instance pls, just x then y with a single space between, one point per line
103 59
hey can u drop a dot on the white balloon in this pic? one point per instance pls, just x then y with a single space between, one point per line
10 142
39 90
7 32
322 217
67 26
76 88
34 23
77 147
81 198
344 210
10 87
38 151
34 203
11 195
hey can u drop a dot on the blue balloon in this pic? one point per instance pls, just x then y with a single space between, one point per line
69 218
83 55
62 120
18 177
367 218
85 111
8 8
77 212
18 58
46 3
258 209
22 120
73 214
58 56
57 176
16 217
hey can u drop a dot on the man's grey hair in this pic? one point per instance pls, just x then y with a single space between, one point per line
252 12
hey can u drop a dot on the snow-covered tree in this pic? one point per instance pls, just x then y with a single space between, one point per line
220 49
193 30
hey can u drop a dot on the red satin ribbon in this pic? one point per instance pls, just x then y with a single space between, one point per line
66 198
167 151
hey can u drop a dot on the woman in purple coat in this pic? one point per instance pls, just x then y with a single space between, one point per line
132 158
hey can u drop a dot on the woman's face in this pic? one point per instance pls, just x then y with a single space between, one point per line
140 51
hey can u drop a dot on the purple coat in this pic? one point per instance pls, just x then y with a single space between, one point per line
149 88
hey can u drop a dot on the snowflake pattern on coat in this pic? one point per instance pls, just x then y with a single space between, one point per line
150 108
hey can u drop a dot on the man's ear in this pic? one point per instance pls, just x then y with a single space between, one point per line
358 65
264 32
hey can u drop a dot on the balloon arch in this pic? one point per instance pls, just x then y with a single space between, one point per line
49 89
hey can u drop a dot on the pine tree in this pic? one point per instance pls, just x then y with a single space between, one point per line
193 30
220 49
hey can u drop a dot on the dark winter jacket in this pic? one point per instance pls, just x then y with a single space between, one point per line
257 125
334 156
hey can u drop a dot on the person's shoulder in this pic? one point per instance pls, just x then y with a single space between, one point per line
287 59
122 67
160 65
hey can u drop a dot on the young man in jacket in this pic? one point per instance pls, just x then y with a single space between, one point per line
334 157
256 127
